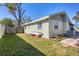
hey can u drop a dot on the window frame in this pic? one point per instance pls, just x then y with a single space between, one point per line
39 26
56 26
25 27
28 27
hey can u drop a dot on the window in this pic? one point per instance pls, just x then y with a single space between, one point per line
39 26
28 27
25 27
56 27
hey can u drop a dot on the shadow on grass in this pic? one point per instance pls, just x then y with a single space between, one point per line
12 45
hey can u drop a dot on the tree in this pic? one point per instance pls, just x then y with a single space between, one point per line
76 17
7 22
26 19
17 12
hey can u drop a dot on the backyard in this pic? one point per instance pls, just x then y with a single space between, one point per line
26 45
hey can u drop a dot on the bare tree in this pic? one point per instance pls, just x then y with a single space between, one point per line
17 12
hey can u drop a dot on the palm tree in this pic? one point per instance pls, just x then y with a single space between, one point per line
77 20
76 17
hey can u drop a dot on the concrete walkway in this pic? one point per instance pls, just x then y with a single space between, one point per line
70 42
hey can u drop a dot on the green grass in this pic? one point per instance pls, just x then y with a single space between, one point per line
26 45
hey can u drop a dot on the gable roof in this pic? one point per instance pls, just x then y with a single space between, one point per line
46 17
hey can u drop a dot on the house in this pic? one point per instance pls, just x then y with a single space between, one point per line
2 30
10 30
49 26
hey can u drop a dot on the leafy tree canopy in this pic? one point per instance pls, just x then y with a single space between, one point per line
7 22
76 17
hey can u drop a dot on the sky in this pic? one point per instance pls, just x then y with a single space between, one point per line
38 10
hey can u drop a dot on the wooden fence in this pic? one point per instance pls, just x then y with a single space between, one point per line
2 30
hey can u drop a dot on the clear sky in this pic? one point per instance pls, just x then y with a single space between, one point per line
38 10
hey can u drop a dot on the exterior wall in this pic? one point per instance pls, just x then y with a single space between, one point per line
48 27
10 30
2 30
34 27
63 26
66 25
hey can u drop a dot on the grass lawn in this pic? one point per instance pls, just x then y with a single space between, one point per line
21 44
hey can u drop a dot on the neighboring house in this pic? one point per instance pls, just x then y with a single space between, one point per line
49 26
10 30
2 30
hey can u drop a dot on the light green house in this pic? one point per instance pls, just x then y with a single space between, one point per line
49 26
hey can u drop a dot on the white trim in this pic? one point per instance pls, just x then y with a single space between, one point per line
36 20
44 18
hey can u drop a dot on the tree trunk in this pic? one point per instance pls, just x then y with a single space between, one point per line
20 28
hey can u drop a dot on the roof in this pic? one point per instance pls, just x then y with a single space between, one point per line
43 18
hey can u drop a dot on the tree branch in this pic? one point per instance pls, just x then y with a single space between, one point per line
14 15
23 11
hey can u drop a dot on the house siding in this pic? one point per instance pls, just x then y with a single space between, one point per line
66 25
48 25
34 27
63 27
